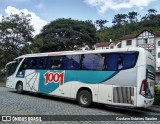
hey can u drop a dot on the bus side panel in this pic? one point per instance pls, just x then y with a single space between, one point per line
105 93
141 75
120 89
63 90
10 82
31 80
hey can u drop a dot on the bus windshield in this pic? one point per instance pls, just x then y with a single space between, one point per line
12 66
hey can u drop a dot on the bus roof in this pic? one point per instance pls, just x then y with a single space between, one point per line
81 52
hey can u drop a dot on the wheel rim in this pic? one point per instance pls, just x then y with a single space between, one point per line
84 99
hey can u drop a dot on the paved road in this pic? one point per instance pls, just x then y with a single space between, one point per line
12 103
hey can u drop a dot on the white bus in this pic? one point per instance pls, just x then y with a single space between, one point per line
121 77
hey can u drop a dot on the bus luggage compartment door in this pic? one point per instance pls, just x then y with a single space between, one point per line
105 94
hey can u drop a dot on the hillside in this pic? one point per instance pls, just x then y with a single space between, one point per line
118 30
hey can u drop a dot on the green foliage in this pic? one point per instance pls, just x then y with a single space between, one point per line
15 34
157 95
34 47
101 24
150 15
132 16
122 26
15 31
119 19
2 79
64 34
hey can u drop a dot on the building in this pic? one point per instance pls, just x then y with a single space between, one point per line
108 45
147 40
115 44
81 47
102 45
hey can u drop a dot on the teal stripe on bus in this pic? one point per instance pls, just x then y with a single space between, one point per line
84 76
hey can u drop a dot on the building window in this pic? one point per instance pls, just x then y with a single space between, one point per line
158 43
146 40
158 55
129 42
111 47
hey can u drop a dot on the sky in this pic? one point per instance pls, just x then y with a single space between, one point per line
44 11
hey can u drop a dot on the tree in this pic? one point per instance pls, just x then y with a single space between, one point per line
15 33
64 34
35 46
119 19
100 23
152 11
132 16
151 14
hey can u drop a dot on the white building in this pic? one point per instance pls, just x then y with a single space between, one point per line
81 47
147 40
108 45
115 44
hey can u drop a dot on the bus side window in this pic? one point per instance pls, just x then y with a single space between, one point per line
31 63
129 60
112 61
93 62
72 62
23 67
41 62
55 62
120 61
105 61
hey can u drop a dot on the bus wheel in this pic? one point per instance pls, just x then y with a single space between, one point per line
19 88
84 98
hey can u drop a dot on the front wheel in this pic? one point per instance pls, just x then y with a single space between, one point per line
84 98
19 88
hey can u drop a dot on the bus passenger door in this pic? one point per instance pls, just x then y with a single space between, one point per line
10 68
105 94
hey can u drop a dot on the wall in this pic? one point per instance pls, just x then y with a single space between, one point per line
157 51
134 43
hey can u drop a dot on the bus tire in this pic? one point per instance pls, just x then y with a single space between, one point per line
84 98
19 88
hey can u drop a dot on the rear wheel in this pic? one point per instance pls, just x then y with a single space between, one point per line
84 98
19 88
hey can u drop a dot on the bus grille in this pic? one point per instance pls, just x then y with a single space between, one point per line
123 95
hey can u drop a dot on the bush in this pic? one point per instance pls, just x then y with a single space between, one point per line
157 95
2 79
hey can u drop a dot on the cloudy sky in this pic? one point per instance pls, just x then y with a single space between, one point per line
44 11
